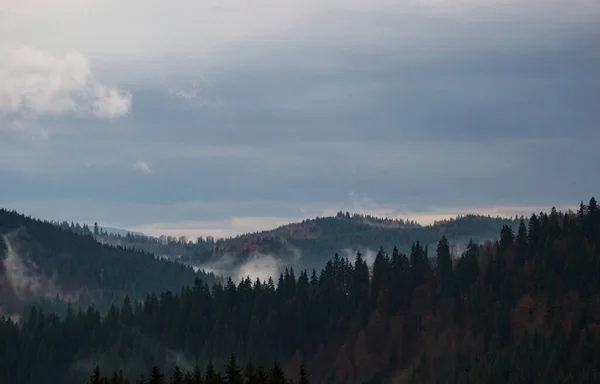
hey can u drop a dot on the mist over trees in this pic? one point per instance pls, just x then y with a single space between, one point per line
523 308
75 267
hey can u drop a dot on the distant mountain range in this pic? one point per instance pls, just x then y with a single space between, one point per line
310 243
119 231
303 245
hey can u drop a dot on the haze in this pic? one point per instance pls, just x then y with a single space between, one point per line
215 118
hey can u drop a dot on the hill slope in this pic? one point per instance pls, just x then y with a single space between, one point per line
42 260
311 243
524 309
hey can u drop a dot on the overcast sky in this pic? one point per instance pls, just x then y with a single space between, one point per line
198 117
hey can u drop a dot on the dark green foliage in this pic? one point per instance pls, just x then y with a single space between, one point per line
319 238
444 268
233 373
276 375
157 376
303 376
177 377
75 262
491 292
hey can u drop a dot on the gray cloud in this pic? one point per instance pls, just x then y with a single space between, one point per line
418 106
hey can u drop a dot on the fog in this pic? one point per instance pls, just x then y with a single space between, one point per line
257 265
22 275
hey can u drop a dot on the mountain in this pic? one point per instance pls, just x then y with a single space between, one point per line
119 231
522 309
310 243
42 260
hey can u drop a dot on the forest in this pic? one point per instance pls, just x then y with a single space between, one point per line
51 264
316 240
522 308
232 373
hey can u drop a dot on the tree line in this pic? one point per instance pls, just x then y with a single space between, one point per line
79 267
524 308
232 374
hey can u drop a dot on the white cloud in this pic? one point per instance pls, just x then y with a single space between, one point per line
143 167
34 81
311 42
195 94
217 228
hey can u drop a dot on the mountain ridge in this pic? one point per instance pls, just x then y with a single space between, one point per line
310 242
40 260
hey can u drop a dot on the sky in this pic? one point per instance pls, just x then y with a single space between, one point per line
194 117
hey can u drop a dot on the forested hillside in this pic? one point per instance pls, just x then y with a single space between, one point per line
233 373
309 244
168 247
43 261
522 309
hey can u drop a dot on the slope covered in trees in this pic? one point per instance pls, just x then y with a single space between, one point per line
525 308
232 373
311 243
41 260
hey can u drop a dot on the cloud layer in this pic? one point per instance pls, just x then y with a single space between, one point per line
272 111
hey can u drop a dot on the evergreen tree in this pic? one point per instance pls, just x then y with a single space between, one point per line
444 265
276 375
233 373
177 376
197 376
156 377
96 377
212 376
303 376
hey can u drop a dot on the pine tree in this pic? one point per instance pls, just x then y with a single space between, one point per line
261 375
276 375
521 242
197 375
126 313
303 376
157 377
177 377
212 376
233 373
96 377
444 265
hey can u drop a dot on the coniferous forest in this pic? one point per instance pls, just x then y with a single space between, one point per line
522 309
66 262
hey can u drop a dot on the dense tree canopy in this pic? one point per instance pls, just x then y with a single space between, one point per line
233 374
77 267
523 308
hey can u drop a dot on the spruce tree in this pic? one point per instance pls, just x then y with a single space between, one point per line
157 377
276 375
303 376
233 373
212 376
96 377
177 376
